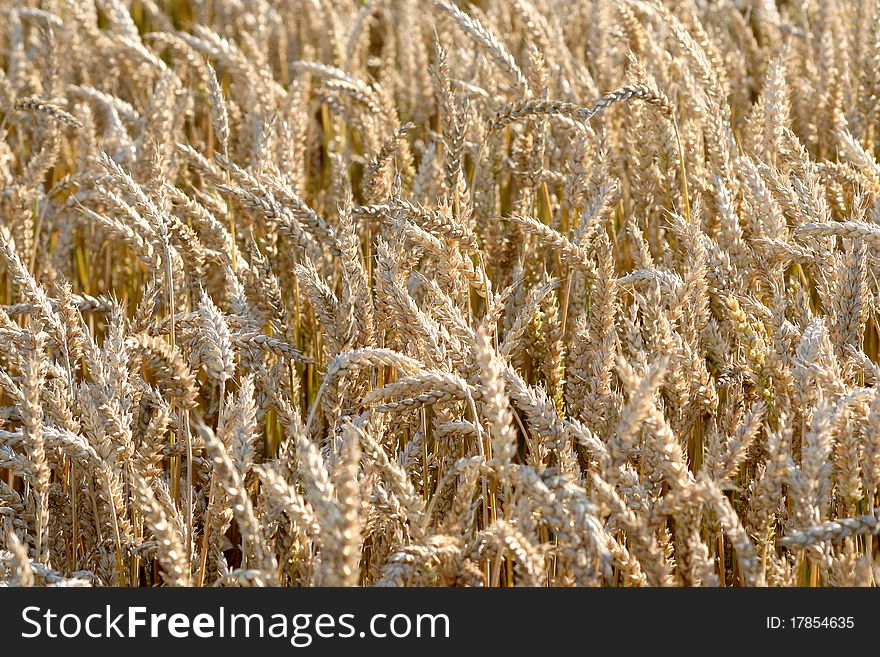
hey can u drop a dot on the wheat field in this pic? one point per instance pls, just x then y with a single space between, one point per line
404 293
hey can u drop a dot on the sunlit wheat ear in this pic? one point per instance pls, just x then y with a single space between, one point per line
47 109
170 549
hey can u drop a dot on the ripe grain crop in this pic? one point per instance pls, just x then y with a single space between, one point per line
404 293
